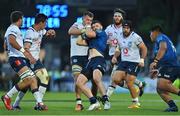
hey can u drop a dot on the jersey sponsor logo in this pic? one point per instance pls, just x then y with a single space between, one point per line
167 76
17 62
125 51
115 41
129 44
75 60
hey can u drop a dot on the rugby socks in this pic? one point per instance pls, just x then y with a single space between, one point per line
171 103
92 100
105 98
35 92
110 90
138 83
42 90
78 101
135 100
13 91
18 98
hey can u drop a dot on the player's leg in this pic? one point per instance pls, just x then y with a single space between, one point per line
25 74
167 98
166 85
79 105
112 87
130 83
43 76
94 88
97 77
141 86
77 63
20 95
81 81
40 73
167 75
117 78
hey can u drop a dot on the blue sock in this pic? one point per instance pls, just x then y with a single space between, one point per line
105 98
171 103
92 100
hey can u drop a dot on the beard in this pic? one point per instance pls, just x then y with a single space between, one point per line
126 34
117 22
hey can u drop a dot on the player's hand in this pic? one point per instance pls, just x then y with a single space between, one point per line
153 65
51 33
141 63
109 42
114 60
29 57
154 73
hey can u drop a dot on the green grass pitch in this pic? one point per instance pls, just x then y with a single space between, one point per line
63 104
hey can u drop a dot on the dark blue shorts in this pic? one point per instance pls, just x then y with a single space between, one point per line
170 73
131 68
36 66
78 63
94 63
17 63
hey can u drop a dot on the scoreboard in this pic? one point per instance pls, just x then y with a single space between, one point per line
54 12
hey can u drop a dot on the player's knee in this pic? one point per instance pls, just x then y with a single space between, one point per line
80 81
43 76
26 75
130 83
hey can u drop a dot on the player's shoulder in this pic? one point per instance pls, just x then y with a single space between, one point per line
109 26
13 28
162 37
30 30
135 35
77 24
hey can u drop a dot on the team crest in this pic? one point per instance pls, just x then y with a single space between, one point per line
129 44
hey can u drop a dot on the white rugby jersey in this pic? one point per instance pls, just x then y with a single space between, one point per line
34 37
113 34
129 47
77 50
14 30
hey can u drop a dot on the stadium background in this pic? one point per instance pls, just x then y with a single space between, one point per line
63 13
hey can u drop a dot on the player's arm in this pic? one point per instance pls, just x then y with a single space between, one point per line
116 55
143 50
14 44
90 33
27 45
160 54
81 42
75 31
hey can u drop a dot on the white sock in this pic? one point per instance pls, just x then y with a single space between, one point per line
110 91
37 97
42 91
138 83
135 100
12 92
18 98
78 102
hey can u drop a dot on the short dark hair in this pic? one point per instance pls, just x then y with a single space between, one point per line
96 21
40 18
88 13
15 16
127 23
157 27
120 11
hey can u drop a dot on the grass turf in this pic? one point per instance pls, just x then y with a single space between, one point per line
63 104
